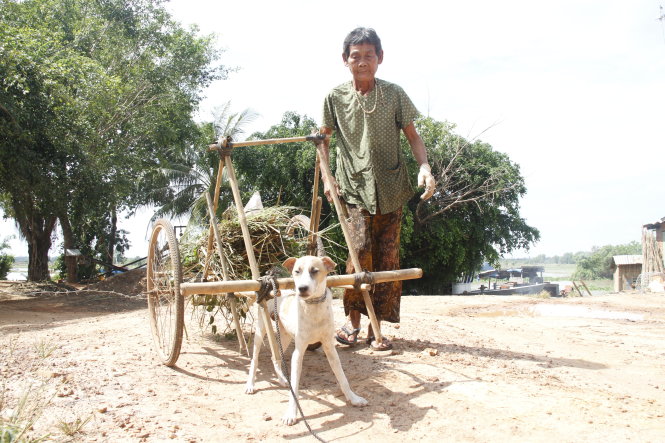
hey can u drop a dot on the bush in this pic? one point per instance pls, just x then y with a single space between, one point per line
6 260
598 265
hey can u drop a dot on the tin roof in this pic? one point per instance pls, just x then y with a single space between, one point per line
627 260
655 224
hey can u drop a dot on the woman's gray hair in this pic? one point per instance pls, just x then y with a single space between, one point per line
361 36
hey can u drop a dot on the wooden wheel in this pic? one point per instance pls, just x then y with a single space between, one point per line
166 304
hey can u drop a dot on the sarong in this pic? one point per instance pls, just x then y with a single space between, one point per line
375 238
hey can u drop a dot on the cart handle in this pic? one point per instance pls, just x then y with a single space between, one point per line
227 143
222 287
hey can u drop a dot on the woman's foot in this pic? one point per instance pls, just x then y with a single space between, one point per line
347 336
385 345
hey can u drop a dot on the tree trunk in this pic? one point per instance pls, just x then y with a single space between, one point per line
69 243
37 232
114 229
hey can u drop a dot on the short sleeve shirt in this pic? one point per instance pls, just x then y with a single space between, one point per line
371 170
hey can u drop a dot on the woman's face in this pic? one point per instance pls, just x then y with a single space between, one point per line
363 61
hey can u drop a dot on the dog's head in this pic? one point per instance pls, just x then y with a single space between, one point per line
309 274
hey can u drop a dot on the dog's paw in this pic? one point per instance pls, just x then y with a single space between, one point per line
290 419
357 400
249 388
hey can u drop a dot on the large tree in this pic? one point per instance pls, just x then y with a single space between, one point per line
472 217
474 214
282 173
94 97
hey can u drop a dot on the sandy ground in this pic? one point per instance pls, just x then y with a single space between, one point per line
471 369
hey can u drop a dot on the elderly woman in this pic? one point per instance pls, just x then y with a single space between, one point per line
368 115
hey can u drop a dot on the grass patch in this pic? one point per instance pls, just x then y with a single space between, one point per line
44 348
17 421
70 429
21 408
603 285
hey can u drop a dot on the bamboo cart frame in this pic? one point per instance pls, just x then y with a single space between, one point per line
166 290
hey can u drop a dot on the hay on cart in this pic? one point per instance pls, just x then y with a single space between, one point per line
277 233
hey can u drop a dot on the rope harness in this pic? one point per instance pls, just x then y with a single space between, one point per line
362 277
267 284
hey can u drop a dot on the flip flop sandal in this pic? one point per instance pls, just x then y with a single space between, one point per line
346 341
384 346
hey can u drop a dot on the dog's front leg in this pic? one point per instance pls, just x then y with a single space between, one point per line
291 416
285 339
336 366
258 341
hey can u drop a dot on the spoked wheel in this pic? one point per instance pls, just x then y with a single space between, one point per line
165 302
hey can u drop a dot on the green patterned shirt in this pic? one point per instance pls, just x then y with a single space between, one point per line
371 170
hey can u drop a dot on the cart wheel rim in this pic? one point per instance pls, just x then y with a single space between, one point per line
165 302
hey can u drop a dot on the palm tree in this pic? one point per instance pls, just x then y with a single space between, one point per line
195 170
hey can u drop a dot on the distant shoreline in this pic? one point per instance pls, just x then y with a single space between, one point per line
19 270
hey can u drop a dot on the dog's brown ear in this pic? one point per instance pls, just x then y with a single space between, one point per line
288 263
330 265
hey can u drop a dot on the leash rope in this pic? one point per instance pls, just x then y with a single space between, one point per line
285 369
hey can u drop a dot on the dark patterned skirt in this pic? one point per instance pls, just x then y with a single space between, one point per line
376 241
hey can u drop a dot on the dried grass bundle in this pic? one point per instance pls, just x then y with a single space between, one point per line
276 233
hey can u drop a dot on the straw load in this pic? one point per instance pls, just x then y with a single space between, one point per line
277 233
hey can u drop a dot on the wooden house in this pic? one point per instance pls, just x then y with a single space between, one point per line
627 269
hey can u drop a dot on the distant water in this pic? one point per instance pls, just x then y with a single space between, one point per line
18 273
17 276
21 272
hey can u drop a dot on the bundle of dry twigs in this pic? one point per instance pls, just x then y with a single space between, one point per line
277 233
274 233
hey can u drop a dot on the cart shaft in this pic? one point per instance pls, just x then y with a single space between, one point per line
221 287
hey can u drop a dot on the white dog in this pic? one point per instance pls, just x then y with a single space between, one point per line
306 315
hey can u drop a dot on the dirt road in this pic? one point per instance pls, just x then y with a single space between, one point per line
463 369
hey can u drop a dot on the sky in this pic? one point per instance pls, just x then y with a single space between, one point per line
572 91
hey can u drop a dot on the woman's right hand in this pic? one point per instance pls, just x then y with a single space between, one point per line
333 186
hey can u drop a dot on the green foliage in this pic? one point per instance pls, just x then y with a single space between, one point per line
283 173
8 434
473 216
6 260
598 264
95 97
185 177
567 258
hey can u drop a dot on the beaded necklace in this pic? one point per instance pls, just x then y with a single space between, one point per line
376 101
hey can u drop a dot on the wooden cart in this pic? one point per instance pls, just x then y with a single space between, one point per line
166 290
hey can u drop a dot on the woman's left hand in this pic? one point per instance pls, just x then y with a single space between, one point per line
426 180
